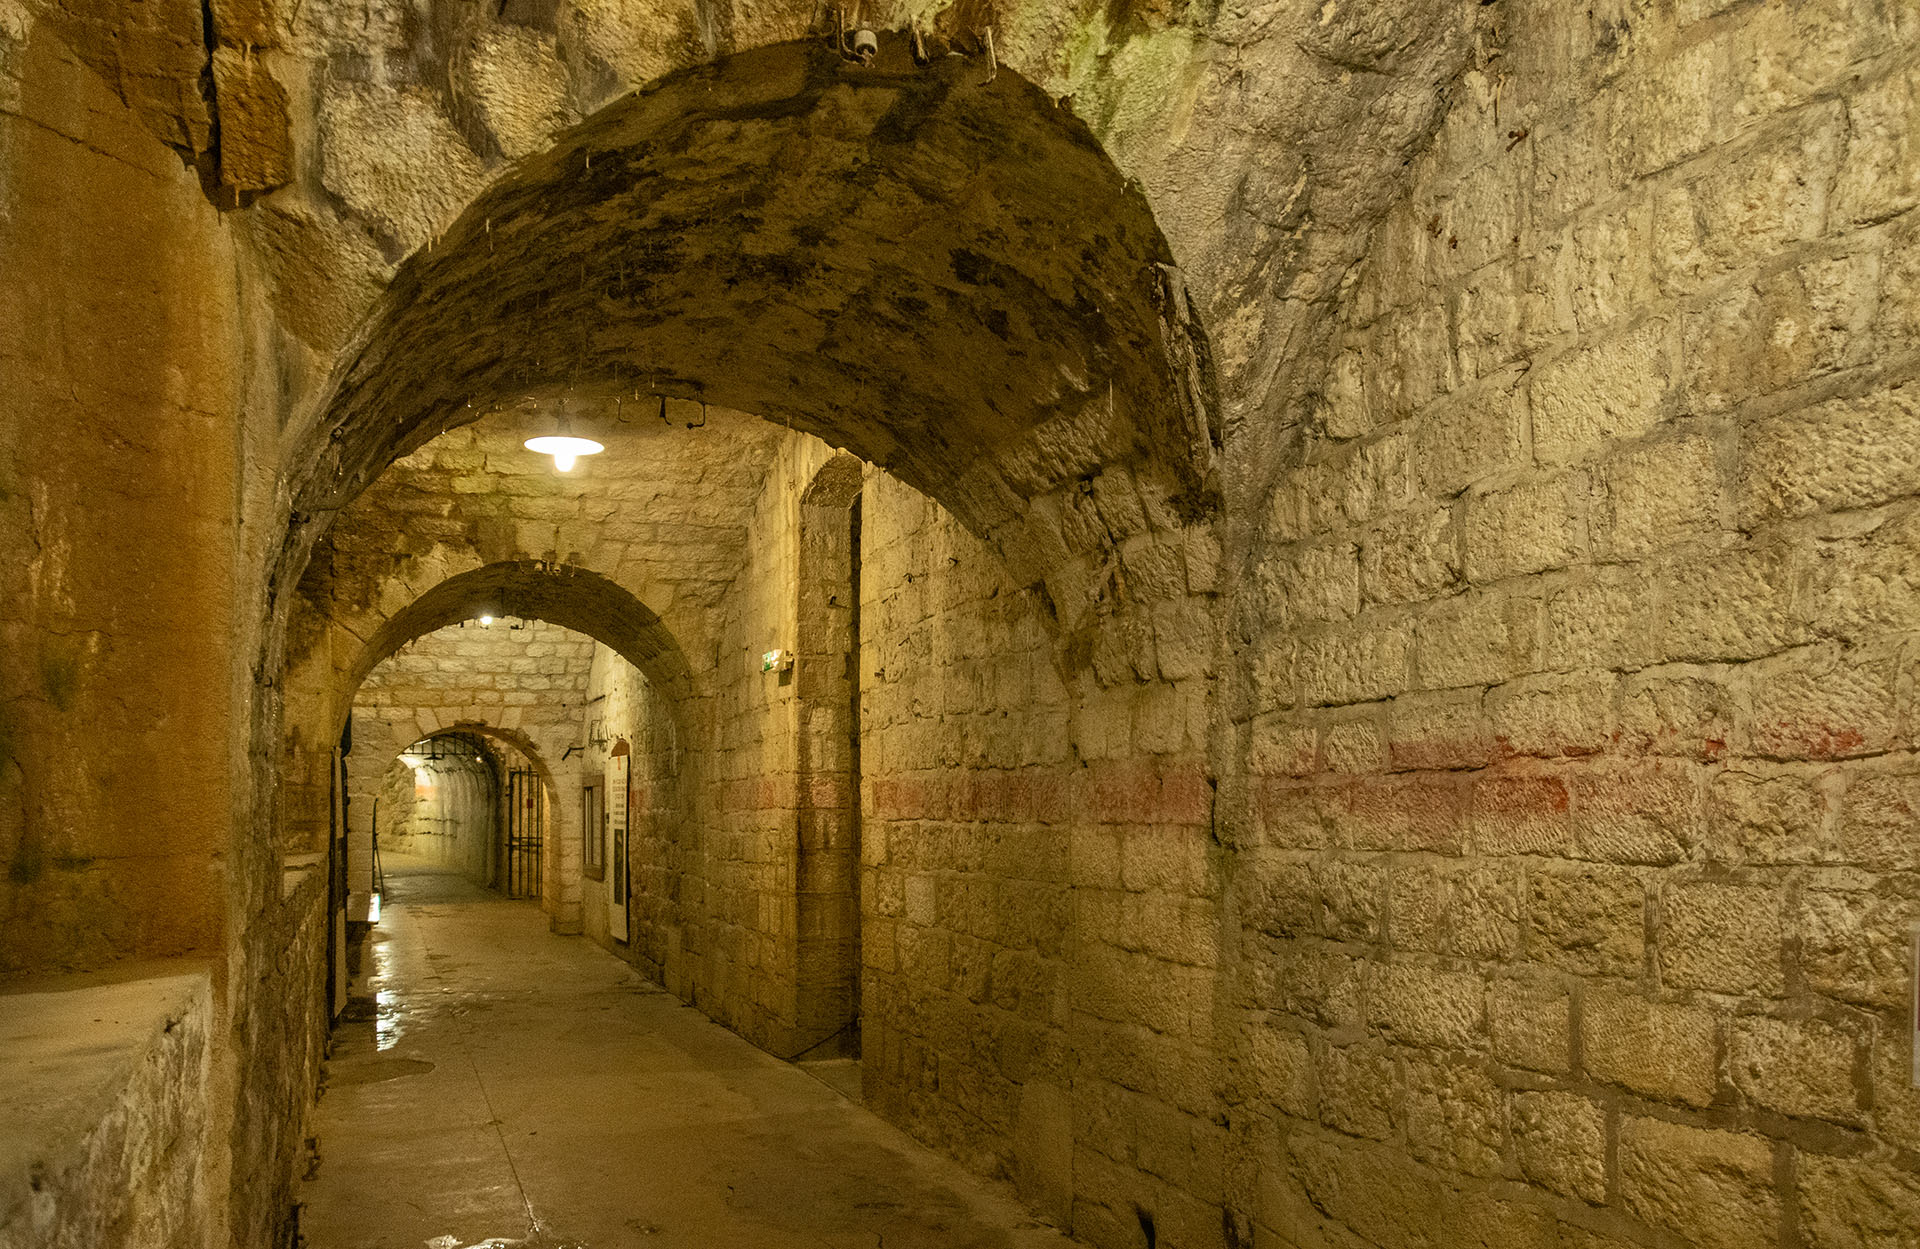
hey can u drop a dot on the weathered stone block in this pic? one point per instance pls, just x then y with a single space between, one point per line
1476 639
1780 331
1414 1005
1536 525
1354 746
1642 814
1878 814
1602 619
1483 914
1371 478
1869 585
1360 1089
1729 605
1881 175
1411 557
1282 1069
1413 813
1345 412
1589 923
1662 1049
1561 1139
1616 388
1357 662
1713 1189
1456 1117
1655 495
1311 583
1847 453
1849 1202
1353 897
1521 815
1722 938
1473 434
1487 319
1553 716
1750 204
1603 265
1853 945
394 157
1416 908
1663 113
1795 1067
1678 710
1772 816
1445 730
256 143
1532 1024
1278 746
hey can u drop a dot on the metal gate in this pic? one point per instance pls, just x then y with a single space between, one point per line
526 829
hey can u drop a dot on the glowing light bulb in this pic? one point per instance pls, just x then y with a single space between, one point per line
485 621
565 449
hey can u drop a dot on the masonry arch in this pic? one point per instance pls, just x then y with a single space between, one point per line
571 598
561 594
457 822
940 273
936 271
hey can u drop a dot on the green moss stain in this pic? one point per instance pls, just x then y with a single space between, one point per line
1134 84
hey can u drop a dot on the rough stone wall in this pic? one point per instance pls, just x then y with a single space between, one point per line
965 758
1573 892
663 839
109 1141
742 960
119 339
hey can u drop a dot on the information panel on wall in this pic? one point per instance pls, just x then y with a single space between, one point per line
618 768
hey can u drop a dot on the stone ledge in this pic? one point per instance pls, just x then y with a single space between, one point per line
104 1107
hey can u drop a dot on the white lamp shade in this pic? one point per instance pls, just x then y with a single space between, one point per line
564 448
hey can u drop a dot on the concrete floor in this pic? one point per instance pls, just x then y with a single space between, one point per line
522 1088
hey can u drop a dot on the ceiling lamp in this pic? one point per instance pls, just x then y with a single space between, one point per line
564 448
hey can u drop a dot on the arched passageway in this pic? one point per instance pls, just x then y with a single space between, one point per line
944 278
439 802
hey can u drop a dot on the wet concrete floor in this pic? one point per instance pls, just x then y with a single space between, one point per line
515 1087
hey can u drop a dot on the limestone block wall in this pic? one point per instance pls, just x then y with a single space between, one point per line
744 914
965 759
120 337
107 1112
1574 895
663 834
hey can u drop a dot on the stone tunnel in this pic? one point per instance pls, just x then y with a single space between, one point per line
1178 625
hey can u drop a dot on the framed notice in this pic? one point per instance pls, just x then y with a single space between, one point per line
619 767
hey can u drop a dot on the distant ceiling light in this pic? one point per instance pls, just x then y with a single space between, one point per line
564 448
485 621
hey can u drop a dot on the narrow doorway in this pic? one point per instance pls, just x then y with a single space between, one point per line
827 649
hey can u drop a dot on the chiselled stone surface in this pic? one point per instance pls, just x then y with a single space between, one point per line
1388 721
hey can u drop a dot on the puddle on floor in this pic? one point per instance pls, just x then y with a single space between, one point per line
375 1070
